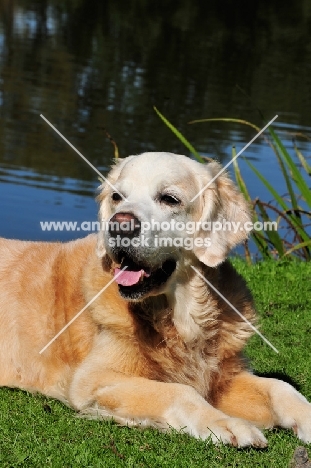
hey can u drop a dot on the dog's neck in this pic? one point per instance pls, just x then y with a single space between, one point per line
195 308
189 306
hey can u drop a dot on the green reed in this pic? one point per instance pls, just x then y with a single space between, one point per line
293 219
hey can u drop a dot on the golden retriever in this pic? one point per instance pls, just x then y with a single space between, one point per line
158 347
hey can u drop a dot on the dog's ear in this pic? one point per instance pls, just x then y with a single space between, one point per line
224 218
104 213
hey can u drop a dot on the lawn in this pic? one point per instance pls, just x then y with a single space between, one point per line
37 431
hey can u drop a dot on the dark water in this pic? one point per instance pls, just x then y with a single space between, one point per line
96 66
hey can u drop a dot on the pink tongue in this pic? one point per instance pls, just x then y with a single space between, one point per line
127 277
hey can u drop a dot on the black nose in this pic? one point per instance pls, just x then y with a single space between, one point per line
125 225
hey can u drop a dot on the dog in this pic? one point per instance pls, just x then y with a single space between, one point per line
153 343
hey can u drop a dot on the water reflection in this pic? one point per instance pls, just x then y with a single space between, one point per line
24 176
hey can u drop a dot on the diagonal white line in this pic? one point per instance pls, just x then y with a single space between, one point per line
83 157
235 310
82 310
233 159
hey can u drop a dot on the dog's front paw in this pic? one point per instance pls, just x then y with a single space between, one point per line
237 432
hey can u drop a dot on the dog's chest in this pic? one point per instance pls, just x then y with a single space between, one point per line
169 359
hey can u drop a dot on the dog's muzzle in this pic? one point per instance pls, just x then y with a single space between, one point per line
136 276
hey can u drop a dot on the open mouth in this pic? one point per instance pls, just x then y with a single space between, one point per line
137 280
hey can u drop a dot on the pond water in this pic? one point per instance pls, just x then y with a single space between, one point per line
92 67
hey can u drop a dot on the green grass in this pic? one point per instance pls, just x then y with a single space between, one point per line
37 432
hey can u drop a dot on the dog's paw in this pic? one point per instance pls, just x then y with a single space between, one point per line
302 425
237 432
294 412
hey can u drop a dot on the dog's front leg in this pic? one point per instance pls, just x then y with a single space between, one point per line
267 402
142 402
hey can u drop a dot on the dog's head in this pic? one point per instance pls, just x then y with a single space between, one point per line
154 223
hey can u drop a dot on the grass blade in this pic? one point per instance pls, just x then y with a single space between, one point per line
273 236
288 183
296 221
298 246
302 160
260 241
297 177
180 137
239 178
232 120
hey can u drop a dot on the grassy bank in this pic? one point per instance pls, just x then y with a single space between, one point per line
36 431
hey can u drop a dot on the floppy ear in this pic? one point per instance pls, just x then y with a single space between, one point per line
224 211
102 217
103 199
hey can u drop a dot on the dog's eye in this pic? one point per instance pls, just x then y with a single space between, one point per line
116 196
169 199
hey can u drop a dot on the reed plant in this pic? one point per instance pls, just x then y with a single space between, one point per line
292 211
